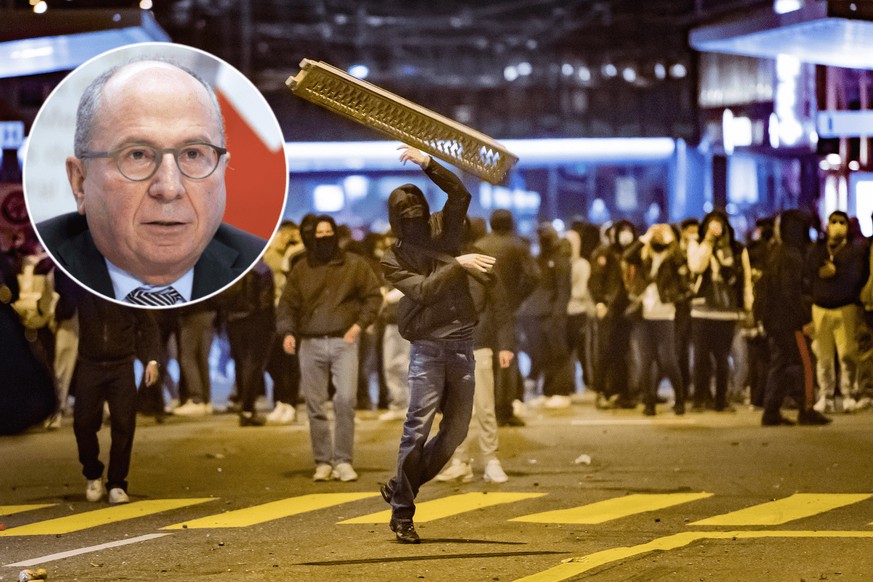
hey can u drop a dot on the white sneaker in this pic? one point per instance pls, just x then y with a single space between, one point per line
95 490
823 405
537 401
323 472
519 408
172 405
118 495
192 408
557 401
849 405
863 402
289 416
494 472
457 470
53 422
344 472
394 414
275 416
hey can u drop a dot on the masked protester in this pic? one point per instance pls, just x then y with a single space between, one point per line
437 315
837 270
330 296
613 356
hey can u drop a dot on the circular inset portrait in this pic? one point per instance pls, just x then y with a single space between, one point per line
155 174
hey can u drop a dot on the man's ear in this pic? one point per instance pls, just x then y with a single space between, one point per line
76 177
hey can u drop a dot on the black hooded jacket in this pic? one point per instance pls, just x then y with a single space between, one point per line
781 300
436 300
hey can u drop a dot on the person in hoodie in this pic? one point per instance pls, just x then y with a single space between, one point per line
653 265
722 295
437 315
330 296
606 284
837 269
783 308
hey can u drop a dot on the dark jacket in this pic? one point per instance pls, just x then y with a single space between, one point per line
606 283
844 288
251 295
672 285
551 295
227 256
112 333
326 299
495 329
781 296
435 292
515 266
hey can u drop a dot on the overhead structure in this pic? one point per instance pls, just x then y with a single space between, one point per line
837 33
402 119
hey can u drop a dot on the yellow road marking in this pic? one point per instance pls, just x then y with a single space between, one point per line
273 510
575 566
448 506
781 511
99 517
10 509
610 509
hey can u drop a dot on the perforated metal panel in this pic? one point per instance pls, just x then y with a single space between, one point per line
403 120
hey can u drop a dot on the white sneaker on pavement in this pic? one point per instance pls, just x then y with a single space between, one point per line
192 408
557 401
344 472
393 414
457 470
863 402
537 401
323 472
519 408
95 490
118 495
275 416
849 405
823 405
494 472
289 416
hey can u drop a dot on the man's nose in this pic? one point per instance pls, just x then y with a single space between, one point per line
167 183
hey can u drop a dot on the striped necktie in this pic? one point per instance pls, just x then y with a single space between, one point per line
162 298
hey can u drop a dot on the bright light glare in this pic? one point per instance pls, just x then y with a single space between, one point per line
678 71
359 71
40 7
786 6
524 69
510 73
328 198
629 74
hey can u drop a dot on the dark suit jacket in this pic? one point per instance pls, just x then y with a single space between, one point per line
227 256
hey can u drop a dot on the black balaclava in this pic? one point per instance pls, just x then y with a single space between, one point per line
548 238
325 248
409 214
307 230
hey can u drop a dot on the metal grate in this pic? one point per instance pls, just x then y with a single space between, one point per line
401 119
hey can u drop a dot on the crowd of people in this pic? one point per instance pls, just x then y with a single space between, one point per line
782 321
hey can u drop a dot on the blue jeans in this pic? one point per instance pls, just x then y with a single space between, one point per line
441 379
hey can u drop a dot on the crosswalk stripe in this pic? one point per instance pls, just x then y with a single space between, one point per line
448 506
11 509
89 519
610 509
271 511
781 511
573 567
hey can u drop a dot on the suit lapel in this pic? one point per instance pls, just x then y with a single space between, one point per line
82 259
214 270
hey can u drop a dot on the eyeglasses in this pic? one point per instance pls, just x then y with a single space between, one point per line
139 162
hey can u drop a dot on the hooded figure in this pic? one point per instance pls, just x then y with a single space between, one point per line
409 214
785 312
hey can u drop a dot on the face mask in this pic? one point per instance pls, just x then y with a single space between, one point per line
325 248
415 230
660 247
625 238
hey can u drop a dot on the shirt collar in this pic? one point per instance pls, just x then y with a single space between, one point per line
123 283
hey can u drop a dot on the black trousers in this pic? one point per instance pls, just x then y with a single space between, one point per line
246 337
790 373
97 383
284 369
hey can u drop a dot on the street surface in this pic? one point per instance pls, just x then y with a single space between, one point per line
703 497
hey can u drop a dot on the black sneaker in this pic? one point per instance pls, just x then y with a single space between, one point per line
511 421
649 410
679 408
251 419
776 421
405 531
812 417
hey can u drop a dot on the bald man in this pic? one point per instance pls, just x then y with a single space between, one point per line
147 175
